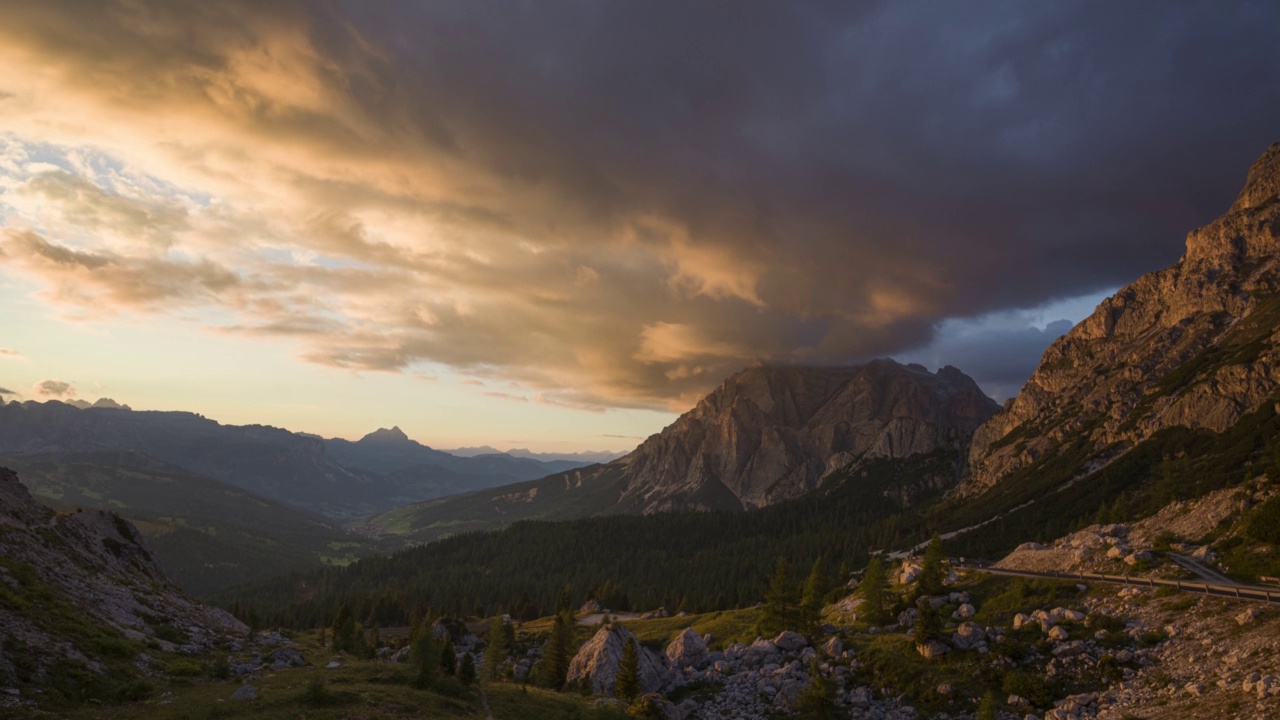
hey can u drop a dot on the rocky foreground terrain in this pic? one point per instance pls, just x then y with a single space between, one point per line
81 597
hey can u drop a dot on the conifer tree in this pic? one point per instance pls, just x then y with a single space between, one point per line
497 649
558 651
811 600
449 657
873 587
818 699
467 669
781 601
628 681
930 579
928 623
425 654
344 630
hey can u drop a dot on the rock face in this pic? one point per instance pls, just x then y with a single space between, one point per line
1193 345
598 660
66 569
688 649
772 433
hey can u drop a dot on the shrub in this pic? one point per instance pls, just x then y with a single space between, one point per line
1264 524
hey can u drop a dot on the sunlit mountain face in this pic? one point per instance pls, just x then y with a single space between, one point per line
551 226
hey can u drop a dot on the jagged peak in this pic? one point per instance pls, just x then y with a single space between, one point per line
1263 183
392 436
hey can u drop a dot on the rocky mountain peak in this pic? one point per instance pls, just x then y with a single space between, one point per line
1192 345
1263 183
773 432
385 436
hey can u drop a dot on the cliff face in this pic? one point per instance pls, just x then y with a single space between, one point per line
1193 345
771 433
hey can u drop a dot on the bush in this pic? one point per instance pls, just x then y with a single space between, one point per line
134 691
1032 687
1264 524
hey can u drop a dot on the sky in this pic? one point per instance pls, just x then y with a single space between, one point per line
556 225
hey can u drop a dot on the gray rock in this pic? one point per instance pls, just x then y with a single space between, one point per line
245 693
688 649
789 641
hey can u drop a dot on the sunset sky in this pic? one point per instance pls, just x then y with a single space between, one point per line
555 225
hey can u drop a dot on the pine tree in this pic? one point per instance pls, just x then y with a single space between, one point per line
928 623
930 579
557 651
343 630
811 600
449 657
497 649
781 601
467 670
425 654
873 587
818 699
628 681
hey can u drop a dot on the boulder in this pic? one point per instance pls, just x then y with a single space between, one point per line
245 693
1248 616
964 611
288 656
968 636
590 607
1204 553
600 657
833 647
789 641
688 649
907 618
1057 634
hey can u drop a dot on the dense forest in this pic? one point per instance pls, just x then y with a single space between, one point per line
720 560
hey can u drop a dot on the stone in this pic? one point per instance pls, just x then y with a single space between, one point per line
789 641
688 649
833 648
964 611
1248 616
1058 634
333 665
245 693
600 657
590 607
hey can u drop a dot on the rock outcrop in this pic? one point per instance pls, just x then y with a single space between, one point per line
67 577
771 433
597 662
1193 345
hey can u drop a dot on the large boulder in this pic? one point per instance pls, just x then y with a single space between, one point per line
688 649
789 641
598 660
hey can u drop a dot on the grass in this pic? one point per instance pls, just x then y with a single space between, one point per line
727 626
359 689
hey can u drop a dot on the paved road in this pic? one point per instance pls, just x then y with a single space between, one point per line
1227 590
1205 573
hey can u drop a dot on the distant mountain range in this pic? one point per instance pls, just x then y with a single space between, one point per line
336 479
586 458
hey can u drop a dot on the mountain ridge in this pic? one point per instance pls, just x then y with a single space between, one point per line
1192 345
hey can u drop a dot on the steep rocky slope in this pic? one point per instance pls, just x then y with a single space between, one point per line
771 433
1193 345
766 435
80 598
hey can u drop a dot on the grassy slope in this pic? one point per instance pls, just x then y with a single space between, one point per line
208 535
551 498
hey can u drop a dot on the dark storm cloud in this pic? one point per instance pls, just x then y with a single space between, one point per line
618 203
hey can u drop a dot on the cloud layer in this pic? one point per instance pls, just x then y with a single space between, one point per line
615 203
